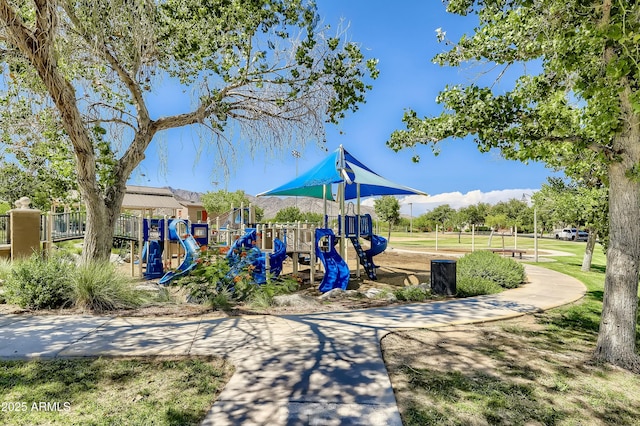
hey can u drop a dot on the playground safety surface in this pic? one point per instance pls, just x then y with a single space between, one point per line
321 368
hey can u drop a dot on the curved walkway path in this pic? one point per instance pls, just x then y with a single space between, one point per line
316 369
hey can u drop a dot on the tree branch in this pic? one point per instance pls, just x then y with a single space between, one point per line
38 50
141 107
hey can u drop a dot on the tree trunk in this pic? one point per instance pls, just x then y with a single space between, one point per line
389 234
617 335
588 252
102 214
98 238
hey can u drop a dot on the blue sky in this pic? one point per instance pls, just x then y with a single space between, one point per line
402 35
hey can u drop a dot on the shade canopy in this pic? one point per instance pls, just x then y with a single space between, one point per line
340 167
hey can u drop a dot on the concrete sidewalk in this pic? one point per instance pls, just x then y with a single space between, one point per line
317 369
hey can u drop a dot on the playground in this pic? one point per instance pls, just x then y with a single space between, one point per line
342 252
397 270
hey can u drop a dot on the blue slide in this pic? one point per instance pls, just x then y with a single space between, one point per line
255 257
191 248
337 272
378 245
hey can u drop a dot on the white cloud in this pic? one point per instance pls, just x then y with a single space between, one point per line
423 204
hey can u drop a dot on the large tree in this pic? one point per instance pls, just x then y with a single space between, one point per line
265 68
584 101
220 202
387 208
441 215
576 204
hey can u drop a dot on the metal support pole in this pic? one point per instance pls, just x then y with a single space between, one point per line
535 232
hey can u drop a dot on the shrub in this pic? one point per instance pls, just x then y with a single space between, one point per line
99 287
262 295
413 293
467 286
489 266
208 279
222 299
69 248
39 283
215 282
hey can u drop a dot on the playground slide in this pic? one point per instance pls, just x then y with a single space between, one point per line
255 257
378 245
191 248
277 257
336 269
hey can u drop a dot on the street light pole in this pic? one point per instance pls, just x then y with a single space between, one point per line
296 154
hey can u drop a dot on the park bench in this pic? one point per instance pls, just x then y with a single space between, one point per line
508 250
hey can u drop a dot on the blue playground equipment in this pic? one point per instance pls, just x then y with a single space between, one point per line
337 272
153 233
244 252
378 243
191 248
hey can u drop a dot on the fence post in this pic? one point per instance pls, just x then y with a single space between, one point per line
47 244
473 237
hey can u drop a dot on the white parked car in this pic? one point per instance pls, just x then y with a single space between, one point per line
572 234
566 234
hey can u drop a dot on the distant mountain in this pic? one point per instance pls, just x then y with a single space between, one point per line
272 205
184 194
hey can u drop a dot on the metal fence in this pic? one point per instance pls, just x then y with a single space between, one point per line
5 227
127 227
72 225
68 226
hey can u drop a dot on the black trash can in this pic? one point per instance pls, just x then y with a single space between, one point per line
443 277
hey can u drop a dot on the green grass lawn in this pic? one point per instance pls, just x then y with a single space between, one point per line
110 391
539 375
465 241
529 371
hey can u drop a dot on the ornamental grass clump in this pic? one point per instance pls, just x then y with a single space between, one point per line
264 294
487 266
99 287
5 269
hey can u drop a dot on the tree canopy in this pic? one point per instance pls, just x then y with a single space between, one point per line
267 72
582 106
388 210
294 214
220 202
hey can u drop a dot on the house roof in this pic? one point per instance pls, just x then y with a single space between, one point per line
146 197
188 203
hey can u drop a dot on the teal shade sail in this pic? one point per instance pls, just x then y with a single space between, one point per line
340 166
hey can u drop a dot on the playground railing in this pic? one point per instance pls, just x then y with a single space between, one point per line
5 226
127 227
68 225
72 225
